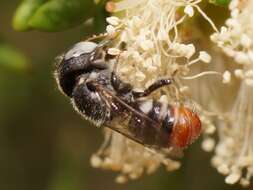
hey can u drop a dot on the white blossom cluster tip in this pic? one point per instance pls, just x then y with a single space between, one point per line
130 159
236 38
234 151
150 31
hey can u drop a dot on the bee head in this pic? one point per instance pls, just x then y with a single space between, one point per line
76 61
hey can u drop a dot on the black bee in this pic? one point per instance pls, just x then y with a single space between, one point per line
86 76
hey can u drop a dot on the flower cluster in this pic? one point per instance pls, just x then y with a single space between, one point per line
234 151
236 38
152 35
153 48
129 158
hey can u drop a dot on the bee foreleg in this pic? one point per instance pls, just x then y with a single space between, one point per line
99 64
120 86
153 87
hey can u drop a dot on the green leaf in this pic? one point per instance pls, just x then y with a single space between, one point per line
12 59
99 17
57 15
24 12
223 3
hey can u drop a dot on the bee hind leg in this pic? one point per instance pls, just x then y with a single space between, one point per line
89 102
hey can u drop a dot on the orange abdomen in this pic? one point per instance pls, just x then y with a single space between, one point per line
186 129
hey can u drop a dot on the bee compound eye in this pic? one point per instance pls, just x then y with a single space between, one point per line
67 74
74 63
90 104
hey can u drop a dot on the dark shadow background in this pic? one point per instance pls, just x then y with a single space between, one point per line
45 145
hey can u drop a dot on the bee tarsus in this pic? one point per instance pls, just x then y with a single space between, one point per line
153 87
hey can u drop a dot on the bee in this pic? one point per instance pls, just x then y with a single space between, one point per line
85 74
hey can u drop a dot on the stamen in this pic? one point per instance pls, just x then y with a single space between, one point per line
201 75
193 62
206 17
122 5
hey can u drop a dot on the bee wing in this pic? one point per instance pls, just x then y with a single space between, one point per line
171 152
121 121
120 124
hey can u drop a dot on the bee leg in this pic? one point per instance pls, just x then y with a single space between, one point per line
89 102
119 86
153 87
96 37
99 64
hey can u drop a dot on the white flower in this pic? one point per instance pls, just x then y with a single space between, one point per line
237 35
153 49
235 145
110 30
208 144
113 51
131 159
234 149
205 57
233 178
113 20
189 10
226 77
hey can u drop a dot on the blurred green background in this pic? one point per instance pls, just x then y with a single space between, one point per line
44 144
